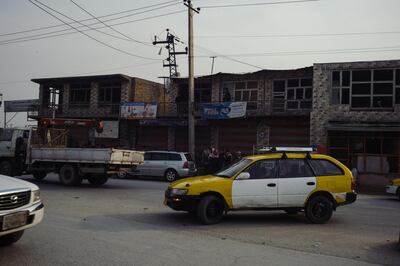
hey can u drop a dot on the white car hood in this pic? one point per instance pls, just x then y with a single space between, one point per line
9 183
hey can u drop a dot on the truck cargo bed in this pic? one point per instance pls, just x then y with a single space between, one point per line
87 155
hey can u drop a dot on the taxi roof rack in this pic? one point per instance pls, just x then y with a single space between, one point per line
284 150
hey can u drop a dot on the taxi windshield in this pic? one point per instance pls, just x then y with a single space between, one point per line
233 168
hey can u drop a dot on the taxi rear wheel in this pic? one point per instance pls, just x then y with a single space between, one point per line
319 209
398 193
210 210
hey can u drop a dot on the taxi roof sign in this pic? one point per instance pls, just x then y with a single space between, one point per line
286 149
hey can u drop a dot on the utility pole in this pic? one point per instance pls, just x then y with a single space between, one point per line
212 64
191 122
171 60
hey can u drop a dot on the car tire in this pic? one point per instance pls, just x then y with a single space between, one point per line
319 209
97 180
69 175
6 168
171 175
11 238
39 175
210 210
398 193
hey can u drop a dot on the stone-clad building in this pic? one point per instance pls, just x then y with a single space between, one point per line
349 110
356 116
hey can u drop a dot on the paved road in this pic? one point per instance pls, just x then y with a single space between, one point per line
125 223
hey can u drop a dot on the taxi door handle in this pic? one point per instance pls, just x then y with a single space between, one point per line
310 183
271 185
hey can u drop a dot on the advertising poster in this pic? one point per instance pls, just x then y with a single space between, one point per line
138 110
224 110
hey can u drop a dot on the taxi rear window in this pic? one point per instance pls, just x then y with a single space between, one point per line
324 168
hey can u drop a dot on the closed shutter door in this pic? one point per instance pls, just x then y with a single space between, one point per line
152 138
290 133
238 136
202 138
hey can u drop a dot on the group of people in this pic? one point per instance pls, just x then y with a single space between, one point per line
213 160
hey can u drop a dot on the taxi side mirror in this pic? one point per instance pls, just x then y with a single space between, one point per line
243 176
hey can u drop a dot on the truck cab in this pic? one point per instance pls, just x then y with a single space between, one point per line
13 144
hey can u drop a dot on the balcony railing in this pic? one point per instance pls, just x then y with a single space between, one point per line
173 109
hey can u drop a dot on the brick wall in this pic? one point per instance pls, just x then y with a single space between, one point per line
324 111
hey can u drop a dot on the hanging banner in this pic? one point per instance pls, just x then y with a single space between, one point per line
224 110
135 110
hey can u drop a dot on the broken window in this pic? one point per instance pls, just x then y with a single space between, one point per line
375 89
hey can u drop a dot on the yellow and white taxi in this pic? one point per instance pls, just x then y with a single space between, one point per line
394 187
286 179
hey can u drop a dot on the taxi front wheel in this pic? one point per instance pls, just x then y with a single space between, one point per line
210 210
319 209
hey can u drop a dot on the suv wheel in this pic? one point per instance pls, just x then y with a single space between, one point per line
10 238
319 209
210 210
171 175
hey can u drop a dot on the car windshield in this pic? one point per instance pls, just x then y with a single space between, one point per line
233 168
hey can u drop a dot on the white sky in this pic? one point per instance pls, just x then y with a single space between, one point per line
76 54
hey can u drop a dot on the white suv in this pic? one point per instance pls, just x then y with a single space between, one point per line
20 208
168 164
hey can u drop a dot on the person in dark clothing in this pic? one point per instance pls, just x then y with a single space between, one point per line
226 96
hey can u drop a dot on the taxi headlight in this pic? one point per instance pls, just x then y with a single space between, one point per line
36 195
179 191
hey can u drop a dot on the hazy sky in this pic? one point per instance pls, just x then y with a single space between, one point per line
273 36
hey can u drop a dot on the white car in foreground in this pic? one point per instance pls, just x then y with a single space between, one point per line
20 208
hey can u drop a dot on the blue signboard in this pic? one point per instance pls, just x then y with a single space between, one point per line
224 110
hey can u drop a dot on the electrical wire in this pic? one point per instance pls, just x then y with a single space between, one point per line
110 27
86 73
311 52
47 35
84 25
87 35
296 35
220 55
109 15
258 4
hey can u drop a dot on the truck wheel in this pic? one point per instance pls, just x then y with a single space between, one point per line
6 168
10 238
210 210
319 209
69 175
97 180
39 175
170 175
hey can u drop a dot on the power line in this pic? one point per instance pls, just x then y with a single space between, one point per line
87 35
49 35
311 52
84 25
296 35
109 15
225 56
259 4
85 73
110 27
